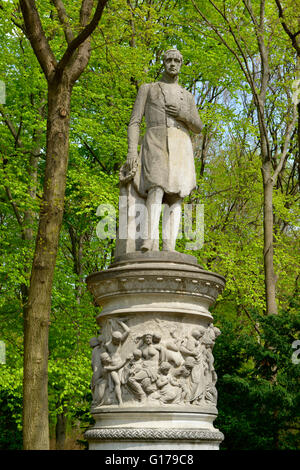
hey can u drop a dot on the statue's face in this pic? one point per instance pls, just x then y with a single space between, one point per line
156 339
172 64
196 334
116 337
105 359
148 339
164 369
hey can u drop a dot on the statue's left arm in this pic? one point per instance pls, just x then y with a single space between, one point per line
187 114
191 117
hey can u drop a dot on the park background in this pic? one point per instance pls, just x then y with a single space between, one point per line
241 62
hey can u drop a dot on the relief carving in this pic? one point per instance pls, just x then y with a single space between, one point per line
168 364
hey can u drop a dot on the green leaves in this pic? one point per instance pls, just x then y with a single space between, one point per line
263 383
257 385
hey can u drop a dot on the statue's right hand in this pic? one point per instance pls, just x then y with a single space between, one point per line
132 158
129 168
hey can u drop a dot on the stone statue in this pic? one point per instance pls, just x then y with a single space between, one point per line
154 381
95 344
103 382
116 364
169 389
163 171
191 344
169 351
135 377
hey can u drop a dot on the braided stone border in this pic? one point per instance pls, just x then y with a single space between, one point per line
150 434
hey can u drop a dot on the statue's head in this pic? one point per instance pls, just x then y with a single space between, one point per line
198 332
137 354
165 368
148 338
172 60
116 337
105 359
189 363
156 338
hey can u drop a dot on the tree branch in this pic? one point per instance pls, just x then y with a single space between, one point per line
37 38
287 139
291 35
215 29
11 127
94 155
64 20
243 65
87 30
14 206
259 30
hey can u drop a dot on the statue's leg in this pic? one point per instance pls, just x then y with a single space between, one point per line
171 223
117 383
153 206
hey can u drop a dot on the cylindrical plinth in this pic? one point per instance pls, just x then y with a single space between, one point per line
153 376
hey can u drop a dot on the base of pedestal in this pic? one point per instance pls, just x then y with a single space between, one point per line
154 382
204 440
153 430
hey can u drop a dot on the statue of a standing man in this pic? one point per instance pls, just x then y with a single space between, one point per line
165 164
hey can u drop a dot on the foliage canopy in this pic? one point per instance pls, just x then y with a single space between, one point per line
258 382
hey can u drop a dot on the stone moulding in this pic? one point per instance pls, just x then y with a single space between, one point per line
169 274
154 284
152 434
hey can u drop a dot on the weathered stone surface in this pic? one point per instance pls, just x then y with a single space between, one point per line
142 283
164 170
150 362
150 429
154 353
159 256
154 382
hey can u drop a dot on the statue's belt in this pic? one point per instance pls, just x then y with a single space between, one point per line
176 124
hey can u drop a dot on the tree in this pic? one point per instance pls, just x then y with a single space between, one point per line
291 26
232 26
262 381
126 51
61 76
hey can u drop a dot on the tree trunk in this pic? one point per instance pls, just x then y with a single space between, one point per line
270 277
60 431
29 214
36 321
61 76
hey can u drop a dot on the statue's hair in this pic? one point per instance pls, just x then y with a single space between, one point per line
165 365
117 334
172 50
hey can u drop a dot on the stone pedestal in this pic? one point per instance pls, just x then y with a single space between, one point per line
154 383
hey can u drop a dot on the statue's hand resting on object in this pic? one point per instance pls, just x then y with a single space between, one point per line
128 169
